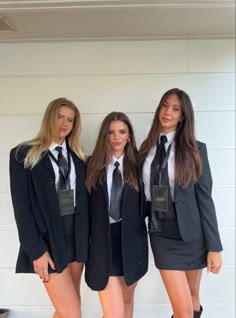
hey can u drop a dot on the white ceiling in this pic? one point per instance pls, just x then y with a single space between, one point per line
61 20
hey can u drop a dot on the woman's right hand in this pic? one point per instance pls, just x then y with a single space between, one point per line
41 266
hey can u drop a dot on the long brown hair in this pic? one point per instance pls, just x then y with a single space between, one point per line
188 164
101 156
49 132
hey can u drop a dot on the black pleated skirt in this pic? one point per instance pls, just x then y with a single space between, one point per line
68 222
116 250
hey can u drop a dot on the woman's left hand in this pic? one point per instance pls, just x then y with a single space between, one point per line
214 262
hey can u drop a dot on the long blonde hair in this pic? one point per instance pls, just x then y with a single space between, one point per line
40 144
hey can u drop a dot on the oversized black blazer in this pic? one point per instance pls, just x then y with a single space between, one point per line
134 238
195 208
36 210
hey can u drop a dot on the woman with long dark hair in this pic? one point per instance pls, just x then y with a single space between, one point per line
118 250
47 176
177 188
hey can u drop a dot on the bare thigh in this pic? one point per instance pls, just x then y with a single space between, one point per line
111 299
194 280
127 291
63 294
177 288
76 270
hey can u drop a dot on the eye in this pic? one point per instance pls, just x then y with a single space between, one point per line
110 132
176 108
123 131
70 120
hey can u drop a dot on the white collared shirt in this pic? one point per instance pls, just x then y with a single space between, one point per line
171 161
110 169
56 168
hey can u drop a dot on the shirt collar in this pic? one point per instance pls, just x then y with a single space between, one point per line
170 137
54 145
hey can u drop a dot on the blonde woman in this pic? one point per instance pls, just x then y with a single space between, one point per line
47 177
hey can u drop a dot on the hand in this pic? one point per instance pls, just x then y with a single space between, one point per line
214 262
41 266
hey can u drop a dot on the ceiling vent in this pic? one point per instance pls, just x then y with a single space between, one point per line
6 25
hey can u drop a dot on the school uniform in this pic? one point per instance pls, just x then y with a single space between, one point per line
116 248
40 226
182 241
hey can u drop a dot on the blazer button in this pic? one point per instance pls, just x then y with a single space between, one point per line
107 233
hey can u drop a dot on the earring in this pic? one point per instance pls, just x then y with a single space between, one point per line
128 139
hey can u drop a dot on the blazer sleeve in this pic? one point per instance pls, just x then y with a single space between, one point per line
203 191
30 239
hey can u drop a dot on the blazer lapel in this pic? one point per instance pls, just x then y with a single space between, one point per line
47 162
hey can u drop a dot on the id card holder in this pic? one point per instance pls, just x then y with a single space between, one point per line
66 202
160 198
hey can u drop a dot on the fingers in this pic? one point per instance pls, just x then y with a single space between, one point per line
51 263
213 268
41 266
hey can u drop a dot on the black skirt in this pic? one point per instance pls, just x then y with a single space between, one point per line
116 250
68 222
172 253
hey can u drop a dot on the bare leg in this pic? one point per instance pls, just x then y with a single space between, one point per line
194 279
111 299
128 297
76 270
66 303
177 287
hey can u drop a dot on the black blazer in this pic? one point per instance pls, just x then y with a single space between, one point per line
134 238
195 209
36 210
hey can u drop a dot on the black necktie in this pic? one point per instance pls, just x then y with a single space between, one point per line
63 169
157 163
116 192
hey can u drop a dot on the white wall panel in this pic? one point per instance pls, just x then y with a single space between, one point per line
8 248
94 58
7 221
212 56
224 199
222 164
208 129
4 173
104 93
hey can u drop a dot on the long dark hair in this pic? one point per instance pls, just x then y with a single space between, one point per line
101 156
188 164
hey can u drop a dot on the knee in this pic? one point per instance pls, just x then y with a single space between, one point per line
128 297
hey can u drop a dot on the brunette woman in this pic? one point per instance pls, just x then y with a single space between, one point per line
47 175
118 250
177 185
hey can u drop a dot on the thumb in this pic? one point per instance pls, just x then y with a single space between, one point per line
209 268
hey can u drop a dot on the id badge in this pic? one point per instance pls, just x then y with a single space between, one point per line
66 202
160 198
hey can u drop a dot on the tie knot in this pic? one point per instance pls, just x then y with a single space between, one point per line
116 164
59 149
163 139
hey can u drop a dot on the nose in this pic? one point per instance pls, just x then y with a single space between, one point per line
116 136
168 110
64 122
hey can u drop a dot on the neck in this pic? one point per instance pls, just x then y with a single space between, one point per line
117 154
